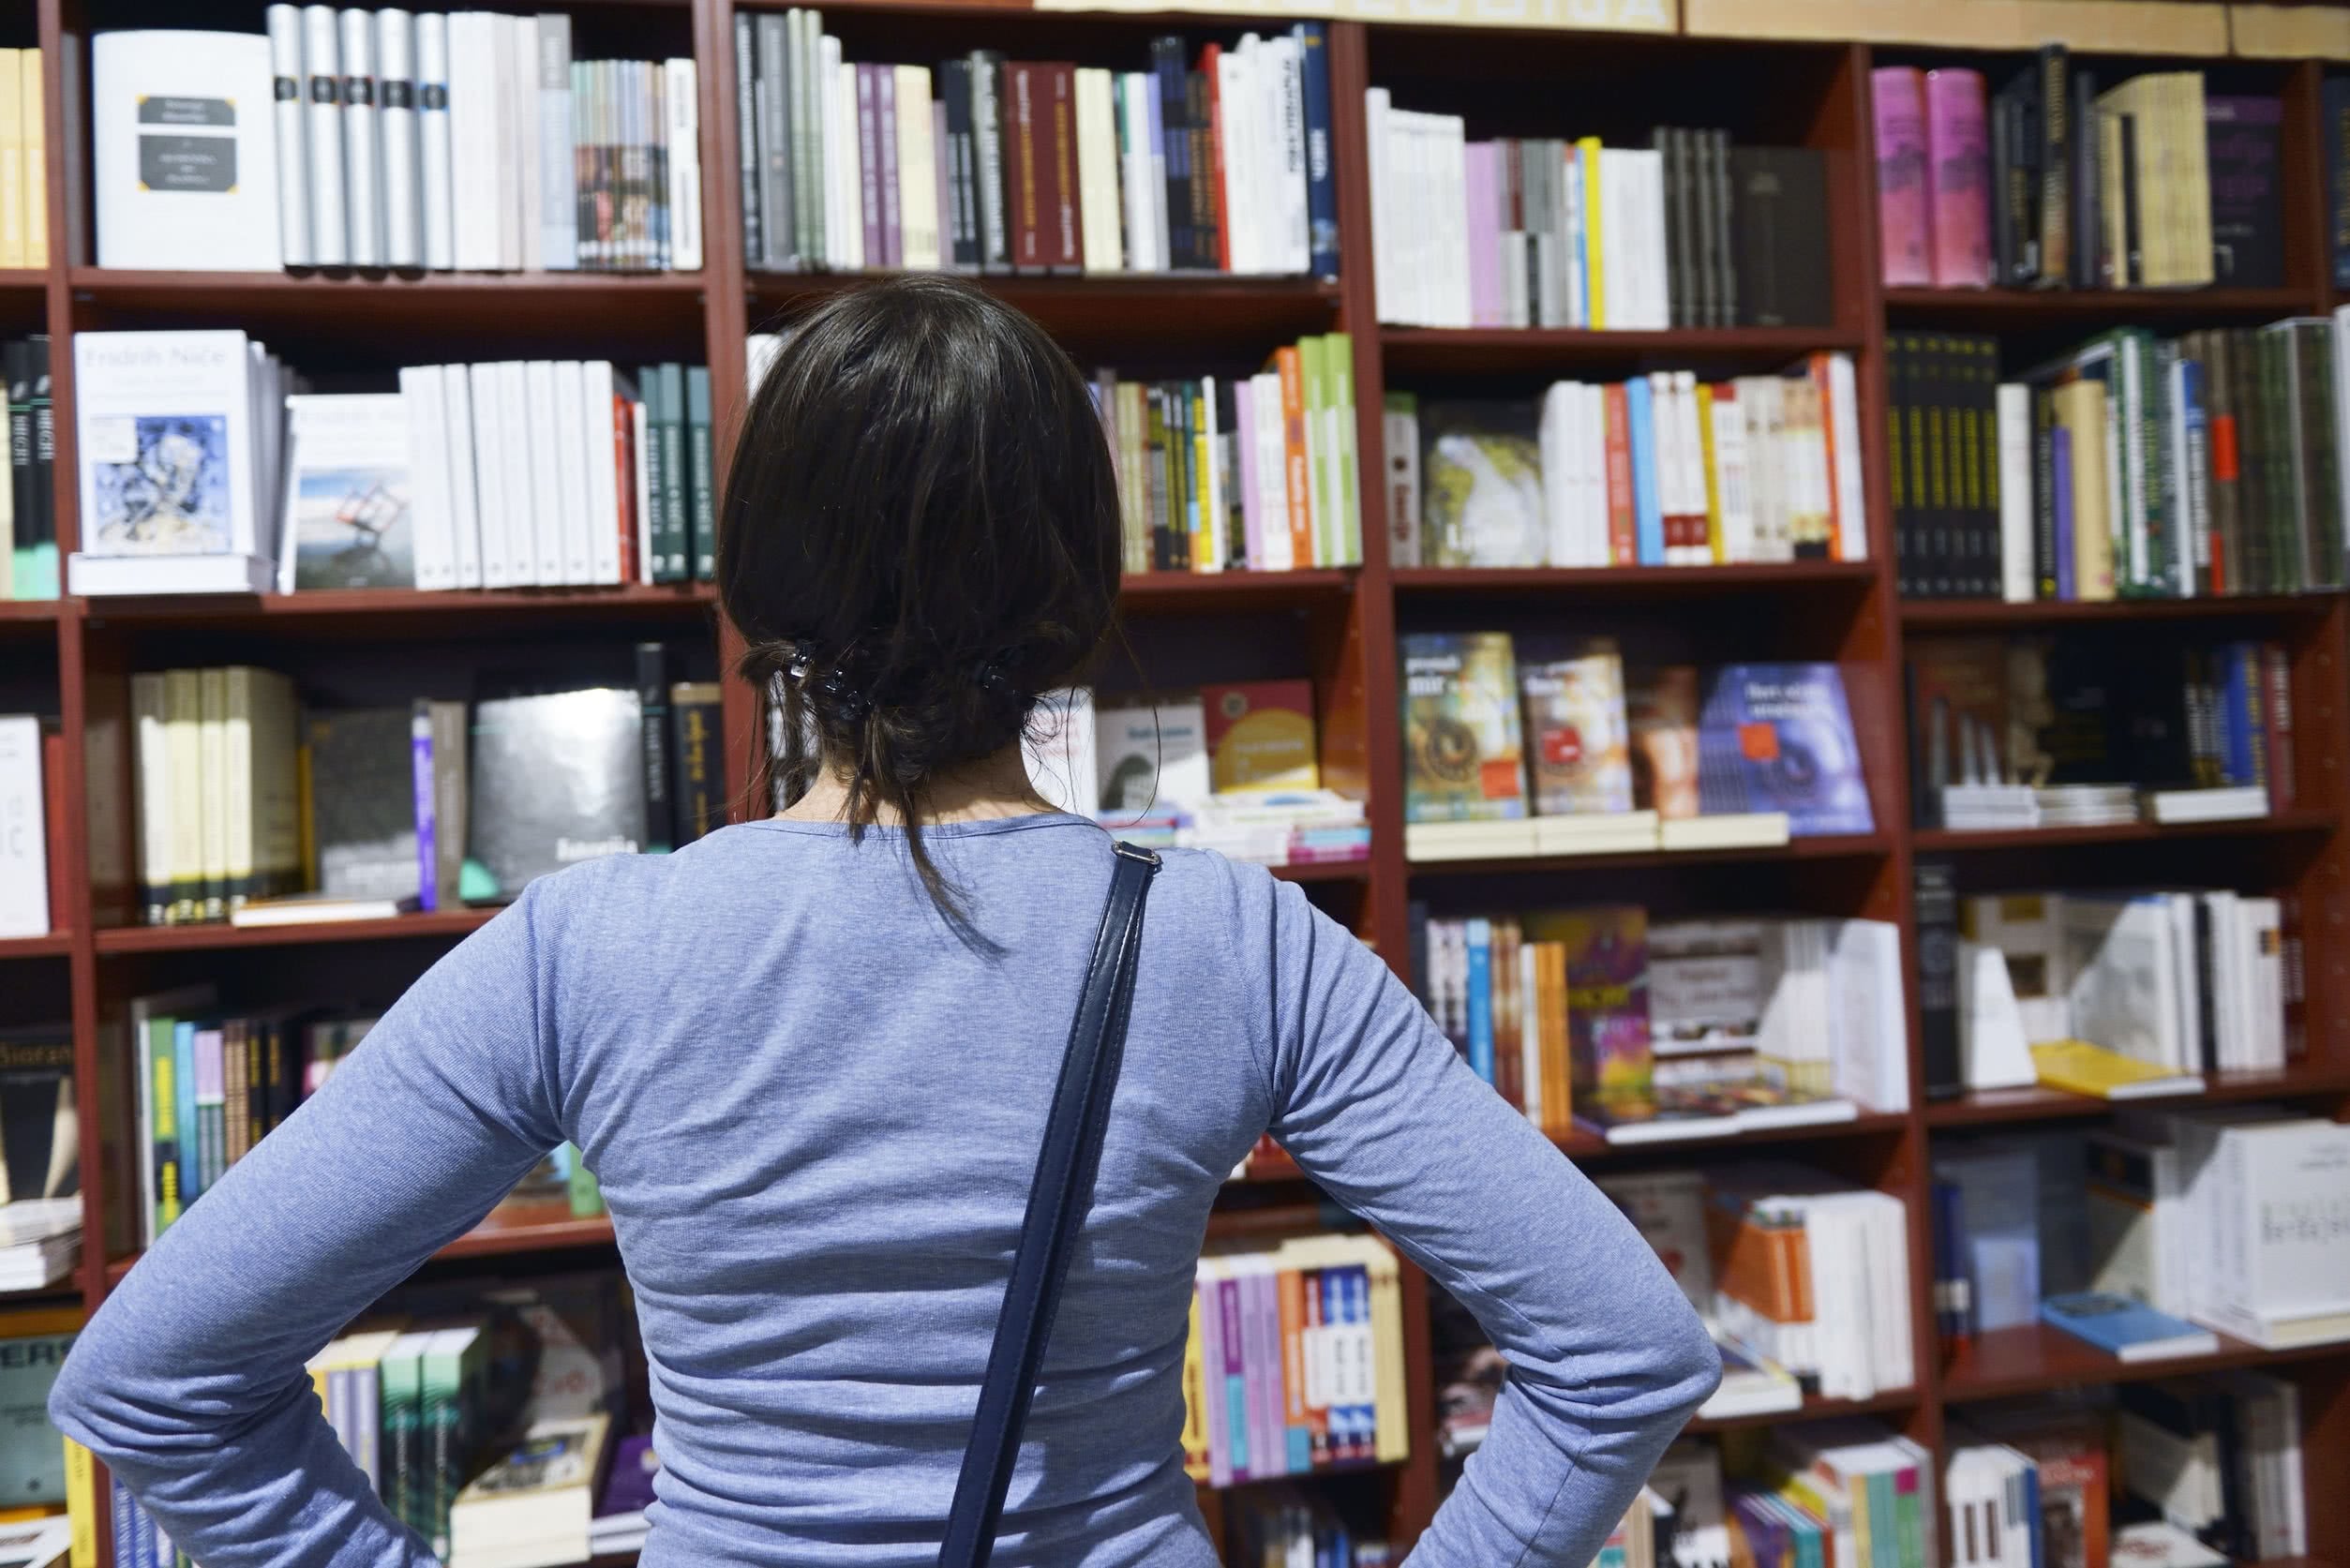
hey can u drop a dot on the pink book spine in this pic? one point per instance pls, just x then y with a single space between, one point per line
1244 404
1485 234
1958 158
1903 219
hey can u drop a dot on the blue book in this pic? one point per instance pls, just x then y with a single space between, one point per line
184 1092
1481 998
2194 507
1322 186
2128 1328
1173 118
2060 464
1648 507
1356 1280
2239 700
1778 737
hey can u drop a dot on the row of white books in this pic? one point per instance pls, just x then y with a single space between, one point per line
468 140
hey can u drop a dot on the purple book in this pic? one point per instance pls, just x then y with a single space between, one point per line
1903 218
1958 162
1485 233
1212 1382
2060 480
885 114
630 1489
942 178
868 165
1244 403
1244 1460
428 816
1266 1445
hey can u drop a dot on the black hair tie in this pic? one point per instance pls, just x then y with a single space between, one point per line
832 688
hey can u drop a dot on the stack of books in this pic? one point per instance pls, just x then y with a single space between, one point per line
1776 1228
1217 163
41 1239
1769 754
1658 470
469 141
206 467
1830 1486
28 503
1688 232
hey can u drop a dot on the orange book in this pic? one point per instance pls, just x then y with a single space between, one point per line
625 467
1290 1287
1624 544
1292 373
1209 58
1558 1091
1763 1263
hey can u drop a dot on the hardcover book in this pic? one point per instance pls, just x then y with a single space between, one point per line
1958 157
1260 736
1781 196
347 493
1778 737
2241 137
363 803
167 445
1481 486
1903 213
1578 739
185 151
1461 736
558 778
1606 1006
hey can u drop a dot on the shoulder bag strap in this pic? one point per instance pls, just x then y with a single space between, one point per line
1058 1197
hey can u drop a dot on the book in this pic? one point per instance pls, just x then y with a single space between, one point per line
1958 170
1480 485
1260 736
1461 723
364 823
525 821
1577 737
33 1346
1608 1049
536 1503
347 493
184 151
1778 737
24 847
1661 707
1904 201
2127 1330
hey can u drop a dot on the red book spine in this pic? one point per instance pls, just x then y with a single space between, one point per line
1624 545
1209 57
624 475
2278 667
1022 199
1067 247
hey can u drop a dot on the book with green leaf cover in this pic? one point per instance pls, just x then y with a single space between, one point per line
1481 486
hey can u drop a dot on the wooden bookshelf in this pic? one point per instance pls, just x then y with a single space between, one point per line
73 659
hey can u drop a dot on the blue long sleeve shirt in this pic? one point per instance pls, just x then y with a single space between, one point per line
814 1108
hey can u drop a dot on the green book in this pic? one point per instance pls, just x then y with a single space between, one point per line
449 1379
701 473
402 1372
1341 353
670 435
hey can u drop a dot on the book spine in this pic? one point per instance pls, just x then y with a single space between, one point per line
653 737
363 208
988 125
1213 110
771 90
1199 155
885 120
1957 153
698 796
293 185
321 59
1025 166
557 214
397 95
2277 675
1066 239
1322 192
747 165
701 475
670 436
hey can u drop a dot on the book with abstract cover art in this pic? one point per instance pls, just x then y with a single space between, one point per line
1577 741
1461 756
167 444
1606 1005
347 493
1778 737
1661 706
1481 486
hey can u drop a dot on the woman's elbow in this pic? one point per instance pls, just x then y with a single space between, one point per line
1689 1363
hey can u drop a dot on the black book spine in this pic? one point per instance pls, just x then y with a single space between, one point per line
44 520
652 715
1680 290
780 250
16 363
1721 210
1175 115
1913 419
2044 493
2321 475
962 230
2088 226
1199 128
2003 177
1987 570
987 149
696 797
1935 885
2057 239
2133 242
1897 467
1933 373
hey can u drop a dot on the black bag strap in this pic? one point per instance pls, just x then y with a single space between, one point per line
1058 1197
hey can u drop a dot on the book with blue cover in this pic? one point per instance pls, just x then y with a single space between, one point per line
1778 737
2126 1327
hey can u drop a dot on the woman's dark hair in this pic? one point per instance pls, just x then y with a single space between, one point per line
921 536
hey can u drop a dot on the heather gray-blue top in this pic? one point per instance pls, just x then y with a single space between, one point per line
815 1110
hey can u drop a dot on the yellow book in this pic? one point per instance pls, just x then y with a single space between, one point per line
1194 1400
35 136
1713 475
2079 1067
82 1504
1393 1440
2081 411
1587 155
14 202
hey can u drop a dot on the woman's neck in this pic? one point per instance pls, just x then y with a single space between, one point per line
994 787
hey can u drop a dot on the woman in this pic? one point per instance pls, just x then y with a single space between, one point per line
809 1058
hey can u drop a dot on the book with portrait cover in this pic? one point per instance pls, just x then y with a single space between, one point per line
1778 737
1661 707
1578 740
167 444
1462 761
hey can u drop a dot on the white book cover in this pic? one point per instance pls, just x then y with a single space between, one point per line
1560 402
1098 170
1151 758
347 493
1843 414
1272 472
556 168
580 525
601 447
1138 209
529 536
844 154
1286 98
457 446
2016 493
490 443
2124 961
23 831
1451 248
396 129
437 174
294 154
164 428
684 104
543 474
475 145
323 59
153 764
1379 145
363 194
520 240
428 511
185 151
640 475
1235 88
2264 947
917 182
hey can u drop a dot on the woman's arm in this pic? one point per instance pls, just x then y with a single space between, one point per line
190 1382
1607 1360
